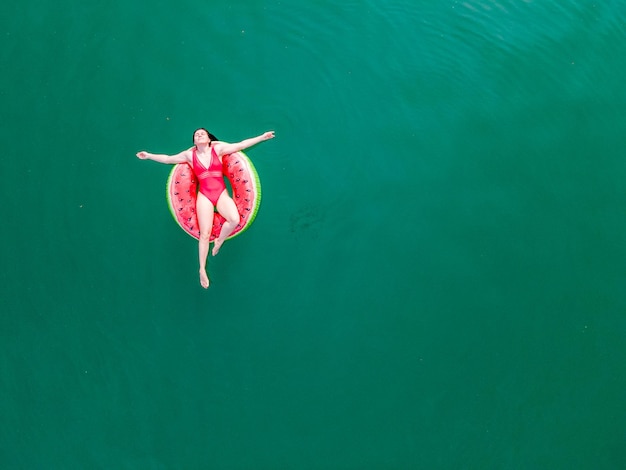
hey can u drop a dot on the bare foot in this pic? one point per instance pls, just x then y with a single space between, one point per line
204 279
216 246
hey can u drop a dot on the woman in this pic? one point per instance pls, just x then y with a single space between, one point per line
205 157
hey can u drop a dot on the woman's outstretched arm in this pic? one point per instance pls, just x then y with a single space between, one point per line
182 157
224 148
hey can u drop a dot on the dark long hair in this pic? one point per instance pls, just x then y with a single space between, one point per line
211 136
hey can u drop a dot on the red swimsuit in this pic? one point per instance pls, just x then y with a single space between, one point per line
210 179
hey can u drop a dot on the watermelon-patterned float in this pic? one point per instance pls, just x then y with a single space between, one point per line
181 193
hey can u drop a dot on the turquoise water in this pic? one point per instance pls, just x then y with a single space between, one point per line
434 279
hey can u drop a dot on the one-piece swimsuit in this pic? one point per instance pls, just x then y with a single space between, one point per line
211 180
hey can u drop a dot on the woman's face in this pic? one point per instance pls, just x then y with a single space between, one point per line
200 137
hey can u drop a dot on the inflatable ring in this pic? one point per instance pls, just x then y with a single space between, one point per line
181 191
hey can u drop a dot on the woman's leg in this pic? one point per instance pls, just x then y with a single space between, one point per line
204 211
226 206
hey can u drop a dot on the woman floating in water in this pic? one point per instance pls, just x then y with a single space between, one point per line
205 157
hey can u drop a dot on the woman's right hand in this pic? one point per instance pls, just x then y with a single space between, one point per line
143 155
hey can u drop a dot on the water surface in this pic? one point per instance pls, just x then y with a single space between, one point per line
435 277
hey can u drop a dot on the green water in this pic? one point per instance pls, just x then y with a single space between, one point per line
435 278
